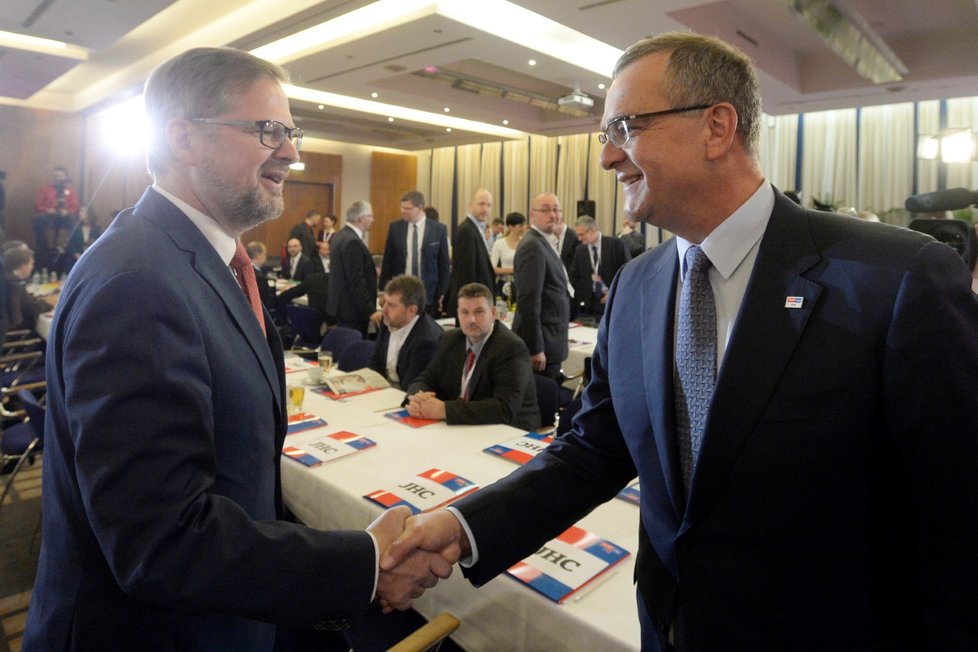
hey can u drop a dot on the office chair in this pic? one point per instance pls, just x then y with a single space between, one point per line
429 637
337 338
356 355
23 440
306 324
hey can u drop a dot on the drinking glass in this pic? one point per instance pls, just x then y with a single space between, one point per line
326 361
297 394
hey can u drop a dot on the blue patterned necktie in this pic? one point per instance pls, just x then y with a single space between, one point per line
696 358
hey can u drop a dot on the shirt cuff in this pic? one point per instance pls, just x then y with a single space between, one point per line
473 557
373 593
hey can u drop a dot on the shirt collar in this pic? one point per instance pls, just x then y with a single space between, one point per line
406 327
477 347
732 240
549 237
223 244
356 230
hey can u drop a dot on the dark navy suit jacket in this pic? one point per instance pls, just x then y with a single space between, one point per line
435 262
415 353
165 424
833 505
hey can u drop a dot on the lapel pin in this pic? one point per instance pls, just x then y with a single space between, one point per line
793 302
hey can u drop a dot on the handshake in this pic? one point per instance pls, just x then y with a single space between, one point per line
415 551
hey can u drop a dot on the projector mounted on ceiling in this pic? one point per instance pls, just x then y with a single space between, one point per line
576 100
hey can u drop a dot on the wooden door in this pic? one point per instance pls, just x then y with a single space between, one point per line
300 198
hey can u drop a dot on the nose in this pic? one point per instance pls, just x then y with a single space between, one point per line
287 152
611 155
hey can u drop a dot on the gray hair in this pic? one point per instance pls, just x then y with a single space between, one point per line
200 83
357 209
705 70
587 222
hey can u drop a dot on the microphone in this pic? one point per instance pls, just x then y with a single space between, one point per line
942 200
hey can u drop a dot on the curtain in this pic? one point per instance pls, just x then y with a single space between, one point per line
572 171
887 150
442 178
516 154
543 165
489 175
778 150
469 171
829 157
962 113
603 188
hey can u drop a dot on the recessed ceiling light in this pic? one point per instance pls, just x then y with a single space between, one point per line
322 106
532 62
600 87
447 109
375 94
505 122
448 129
390 119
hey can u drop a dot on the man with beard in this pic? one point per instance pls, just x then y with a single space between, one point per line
166 411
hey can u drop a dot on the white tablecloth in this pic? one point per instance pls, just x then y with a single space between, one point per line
504 614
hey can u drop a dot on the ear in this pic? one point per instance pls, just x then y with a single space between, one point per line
180 140
721 120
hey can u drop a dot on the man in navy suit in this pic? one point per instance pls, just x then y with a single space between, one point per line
408 336
832 501
470 250
418 246
352 297
166 408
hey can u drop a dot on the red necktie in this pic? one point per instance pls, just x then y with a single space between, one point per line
468 371
242 267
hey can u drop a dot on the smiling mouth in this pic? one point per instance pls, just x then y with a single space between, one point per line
276 177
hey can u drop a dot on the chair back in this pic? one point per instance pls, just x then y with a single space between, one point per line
306 323
35 413
356 355
429 636
548 394
337 338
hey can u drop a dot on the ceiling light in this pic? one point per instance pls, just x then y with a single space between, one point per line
850 37
375 95
601 87
322 106
447 110
500 18
390 119
505 122
448 129
16 41
532 62
400 112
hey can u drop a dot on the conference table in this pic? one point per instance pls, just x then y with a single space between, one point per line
504 614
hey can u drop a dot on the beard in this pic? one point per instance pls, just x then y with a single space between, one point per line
237 210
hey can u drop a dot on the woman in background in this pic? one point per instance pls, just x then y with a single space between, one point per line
504 250
86 231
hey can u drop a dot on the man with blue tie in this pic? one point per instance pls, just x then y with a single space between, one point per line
794 389
418 246
166 405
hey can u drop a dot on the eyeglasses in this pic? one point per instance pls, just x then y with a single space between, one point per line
271 133
618 131
547 209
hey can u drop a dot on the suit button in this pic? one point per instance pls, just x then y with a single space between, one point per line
347 623
321 625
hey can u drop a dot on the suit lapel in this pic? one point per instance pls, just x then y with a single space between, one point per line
764 338
212 269
658 313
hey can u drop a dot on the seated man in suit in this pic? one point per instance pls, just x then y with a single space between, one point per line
296 265
315 286
596 262
23 308
480 373
408 337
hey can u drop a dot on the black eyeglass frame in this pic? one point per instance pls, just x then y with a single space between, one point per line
604 137
293 134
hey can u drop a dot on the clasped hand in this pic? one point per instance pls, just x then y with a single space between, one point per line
425 405
411 559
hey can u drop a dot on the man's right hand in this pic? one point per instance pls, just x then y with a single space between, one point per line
539 361
438 532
